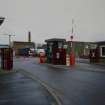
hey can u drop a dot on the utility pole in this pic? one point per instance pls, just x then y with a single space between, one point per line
10 39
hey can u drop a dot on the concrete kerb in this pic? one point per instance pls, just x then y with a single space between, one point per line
49 89
56 66
77 66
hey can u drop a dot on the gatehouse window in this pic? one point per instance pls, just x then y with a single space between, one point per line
102 48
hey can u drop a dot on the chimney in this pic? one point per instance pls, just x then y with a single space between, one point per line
29 36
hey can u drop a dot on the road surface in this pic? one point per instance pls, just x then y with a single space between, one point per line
74 86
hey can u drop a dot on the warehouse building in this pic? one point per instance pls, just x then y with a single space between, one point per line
23 47
19 46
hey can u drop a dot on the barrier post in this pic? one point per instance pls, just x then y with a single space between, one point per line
72 58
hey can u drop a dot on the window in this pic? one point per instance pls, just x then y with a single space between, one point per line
102 51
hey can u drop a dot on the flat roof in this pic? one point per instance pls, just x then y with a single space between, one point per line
22 42
100 42
55 39
4 46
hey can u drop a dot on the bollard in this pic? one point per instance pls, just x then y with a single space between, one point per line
72 58
67 60
42 57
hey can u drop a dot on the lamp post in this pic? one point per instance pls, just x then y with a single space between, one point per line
9 38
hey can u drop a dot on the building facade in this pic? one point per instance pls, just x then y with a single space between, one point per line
81 49
101 46
17 45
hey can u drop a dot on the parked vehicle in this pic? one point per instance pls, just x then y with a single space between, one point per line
24 51
40 51
33 52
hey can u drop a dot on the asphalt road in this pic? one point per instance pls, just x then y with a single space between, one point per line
17 89
75 86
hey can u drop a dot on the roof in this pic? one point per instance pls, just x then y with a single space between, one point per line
4 46
81 41
55 39
100 42
21 42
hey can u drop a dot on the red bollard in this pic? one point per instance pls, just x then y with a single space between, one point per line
72 58
42 57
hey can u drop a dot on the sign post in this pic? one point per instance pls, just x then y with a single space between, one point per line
72 58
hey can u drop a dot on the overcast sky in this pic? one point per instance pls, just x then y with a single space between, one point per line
52 19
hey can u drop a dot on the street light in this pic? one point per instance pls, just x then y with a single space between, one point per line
10 39
2 20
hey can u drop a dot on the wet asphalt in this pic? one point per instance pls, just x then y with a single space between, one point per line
75 86
17 89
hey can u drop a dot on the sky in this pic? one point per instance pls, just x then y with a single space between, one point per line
52 19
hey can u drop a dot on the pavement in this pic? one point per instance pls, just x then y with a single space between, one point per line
18 89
